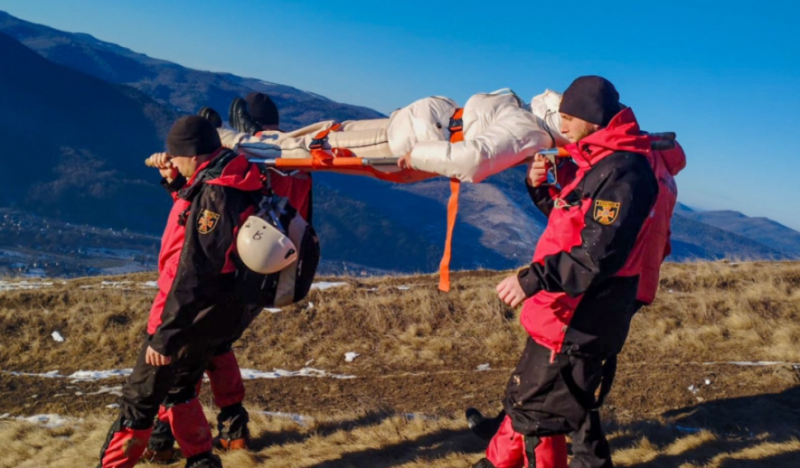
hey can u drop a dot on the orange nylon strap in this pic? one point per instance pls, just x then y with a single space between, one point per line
456 136
317 147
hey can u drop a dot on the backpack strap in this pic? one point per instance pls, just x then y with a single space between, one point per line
456 136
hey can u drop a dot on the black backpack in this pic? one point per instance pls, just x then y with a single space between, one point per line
293 283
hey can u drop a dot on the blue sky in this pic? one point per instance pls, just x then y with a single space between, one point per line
724 75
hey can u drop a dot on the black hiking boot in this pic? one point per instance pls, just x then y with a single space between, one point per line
483 427
204 460
211 115
240 119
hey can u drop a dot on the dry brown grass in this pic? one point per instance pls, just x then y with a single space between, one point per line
360 441
704 312
419 350
721 311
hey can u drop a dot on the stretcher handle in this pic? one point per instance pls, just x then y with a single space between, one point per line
335 162
338 162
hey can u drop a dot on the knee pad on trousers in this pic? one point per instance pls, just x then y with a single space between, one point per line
124 445
190 428
510 449
226 380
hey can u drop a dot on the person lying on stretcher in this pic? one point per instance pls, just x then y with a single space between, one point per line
498 130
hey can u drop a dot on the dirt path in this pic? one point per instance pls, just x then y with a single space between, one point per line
640 391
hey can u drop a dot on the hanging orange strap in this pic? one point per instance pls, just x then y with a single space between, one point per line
456 136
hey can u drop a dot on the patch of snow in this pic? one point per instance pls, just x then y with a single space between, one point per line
271 310
251 374
484 367
122 285
48 420
404 288
310 305
57 337
23 285
47 375
298 418
116 391
79 376
90 376
5 415
694 389
351 356
750 363
323 285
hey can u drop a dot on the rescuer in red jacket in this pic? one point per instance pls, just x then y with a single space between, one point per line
195 310
583 286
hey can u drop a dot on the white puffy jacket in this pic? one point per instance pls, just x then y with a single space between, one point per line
499 133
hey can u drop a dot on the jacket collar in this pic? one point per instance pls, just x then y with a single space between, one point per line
621 134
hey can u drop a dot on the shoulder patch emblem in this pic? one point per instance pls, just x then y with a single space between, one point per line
605 212
207 221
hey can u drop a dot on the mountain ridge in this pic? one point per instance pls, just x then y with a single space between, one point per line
370 224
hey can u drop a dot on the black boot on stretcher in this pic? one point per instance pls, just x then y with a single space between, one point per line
240 119
211 115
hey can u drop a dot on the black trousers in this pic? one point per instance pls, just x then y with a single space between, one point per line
148 387
555 394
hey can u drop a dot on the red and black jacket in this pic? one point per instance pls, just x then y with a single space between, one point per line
583 283
195 301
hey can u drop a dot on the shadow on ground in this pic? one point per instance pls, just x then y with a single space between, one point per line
747 432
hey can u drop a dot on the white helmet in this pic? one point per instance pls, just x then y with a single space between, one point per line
264 248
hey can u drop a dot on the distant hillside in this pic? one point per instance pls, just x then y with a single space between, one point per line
763 230
695 240
171 84
73 144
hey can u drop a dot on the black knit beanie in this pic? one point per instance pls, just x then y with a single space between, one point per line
262 109
591 98
192 135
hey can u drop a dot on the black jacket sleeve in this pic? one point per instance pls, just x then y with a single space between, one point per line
198 286
623 182
541 197
176 184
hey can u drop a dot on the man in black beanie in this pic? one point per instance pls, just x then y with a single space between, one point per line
195 310
580 291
